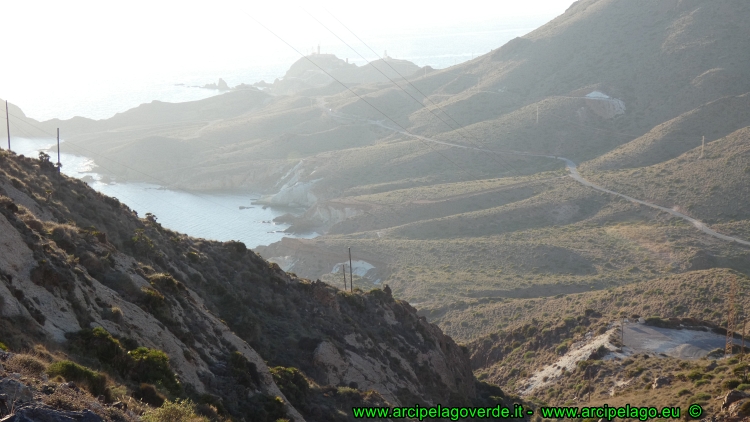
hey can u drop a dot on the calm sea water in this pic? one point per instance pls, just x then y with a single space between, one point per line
214 216
437 47
218 215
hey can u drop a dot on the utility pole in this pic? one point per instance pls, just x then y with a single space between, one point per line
351 278
731 314
343 271
703 146
58 151
744 321
7 122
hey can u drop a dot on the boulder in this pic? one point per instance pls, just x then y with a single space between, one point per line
660 382
45 414
732 397
15 390
739 409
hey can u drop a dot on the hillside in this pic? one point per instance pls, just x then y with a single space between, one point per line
459 189
227 320
655 60
536 333
675 137
712 187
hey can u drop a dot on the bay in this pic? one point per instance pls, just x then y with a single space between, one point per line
209 215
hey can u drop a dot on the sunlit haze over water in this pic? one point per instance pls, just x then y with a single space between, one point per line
95 59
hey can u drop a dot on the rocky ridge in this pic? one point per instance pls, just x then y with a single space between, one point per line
73 260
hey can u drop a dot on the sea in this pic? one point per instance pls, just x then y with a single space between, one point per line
231 215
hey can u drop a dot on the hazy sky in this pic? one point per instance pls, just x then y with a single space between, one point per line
64 44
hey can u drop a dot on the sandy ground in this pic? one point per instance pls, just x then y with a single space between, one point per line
578 351
638 338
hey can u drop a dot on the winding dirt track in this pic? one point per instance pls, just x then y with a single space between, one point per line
572 169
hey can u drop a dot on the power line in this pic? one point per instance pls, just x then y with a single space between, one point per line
125 197
138 171
495 156
361 98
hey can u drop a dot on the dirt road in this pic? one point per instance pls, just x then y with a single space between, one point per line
572 169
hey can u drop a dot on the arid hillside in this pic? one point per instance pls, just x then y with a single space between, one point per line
97 285
523 202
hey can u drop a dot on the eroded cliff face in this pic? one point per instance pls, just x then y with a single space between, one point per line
385 346
47 285
72 259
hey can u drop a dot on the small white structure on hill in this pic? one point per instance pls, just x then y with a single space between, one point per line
604 105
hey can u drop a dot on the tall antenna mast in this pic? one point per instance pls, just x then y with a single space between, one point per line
7 122
351 278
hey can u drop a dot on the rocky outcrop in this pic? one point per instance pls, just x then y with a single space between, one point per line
47 414
43 282
212 307
732 397
660 382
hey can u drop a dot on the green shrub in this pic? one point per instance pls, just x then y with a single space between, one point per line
152 366
142 243
165 281
116 313
93 381
292 383
265 408
148 394
634 372
740 370
152 298
743 387
731 383
700 397
695 375
683 392
348 393
155 303
176 411
744 408
100 344
701 382
3 347
236 246
244 371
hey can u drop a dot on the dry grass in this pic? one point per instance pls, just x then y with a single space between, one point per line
535 331
26 364
699 294
57 393
713 188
